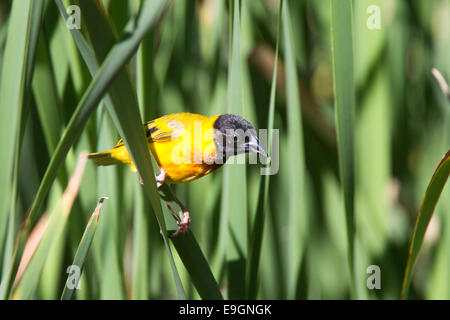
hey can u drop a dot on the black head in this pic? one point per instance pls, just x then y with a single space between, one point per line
232 122
235 135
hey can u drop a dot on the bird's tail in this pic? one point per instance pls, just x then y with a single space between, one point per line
103 158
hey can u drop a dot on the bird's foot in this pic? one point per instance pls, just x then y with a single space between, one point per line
161 178
183 225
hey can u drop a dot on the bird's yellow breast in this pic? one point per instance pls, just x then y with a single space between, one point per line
182 144
189 154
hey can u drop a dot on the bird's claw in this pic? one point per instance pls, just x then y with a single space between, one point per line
183 225
159 179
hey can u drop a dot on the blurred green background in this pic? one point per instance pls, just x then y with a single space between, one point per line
185 64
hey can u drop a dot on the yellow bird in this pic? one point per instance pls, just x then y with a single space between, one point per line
188 146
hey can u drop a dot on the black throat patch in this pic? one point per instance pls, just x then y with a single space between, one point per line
226 123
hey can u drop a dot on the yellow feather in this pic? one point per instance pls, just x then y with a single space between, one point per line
181 143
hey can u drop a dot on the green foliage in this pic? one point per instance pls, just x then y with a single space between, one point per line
344 104
429 202
83 250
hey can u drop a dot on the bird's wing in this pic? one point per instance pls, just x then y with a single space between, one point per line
166 128
155 132
160 131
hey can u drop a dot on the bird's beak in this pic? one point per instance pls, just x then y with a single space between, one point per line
254 146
